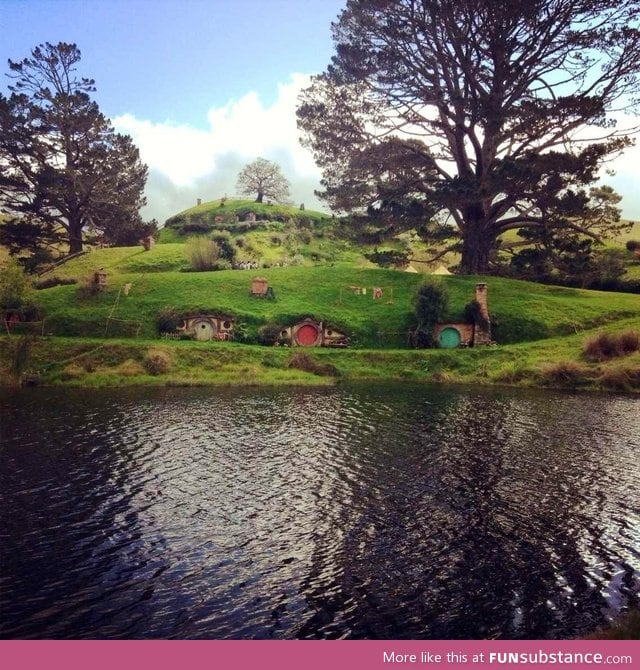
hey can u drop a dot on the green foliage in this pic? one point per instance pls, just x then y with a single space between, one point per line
494 157
265 179
20 352
269 334
472 313
430 306
202 253
64 166
50 282
128 232
168 320
157 362
15 286
226 246
389 258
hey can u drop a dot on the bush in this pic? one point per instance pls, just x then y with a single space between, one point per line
632 245
197 227
202 253
628 342
157 362
50 282
600 347
168 320
301 360
88 287
604 346
615 379
430 306
129 368
15 287
566 374
226 246
269 334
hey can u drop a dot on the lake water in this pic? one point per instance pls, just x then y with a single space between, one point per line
385 512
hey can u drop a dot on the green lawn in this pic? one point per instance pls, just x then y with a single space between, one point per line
521 311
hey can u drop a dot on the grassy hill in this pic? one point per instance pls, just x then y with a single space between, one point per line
106 338
521 311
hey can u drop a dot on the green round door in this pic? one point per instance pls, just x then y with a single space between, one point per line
449 338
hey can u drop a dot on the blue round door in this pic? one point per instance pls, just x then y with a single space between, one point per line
449 338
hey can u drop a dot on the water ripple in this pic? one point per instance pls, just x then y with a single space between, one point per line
383 512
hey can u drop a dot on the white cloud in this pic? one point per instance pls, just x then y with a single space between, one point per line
186 163
238 132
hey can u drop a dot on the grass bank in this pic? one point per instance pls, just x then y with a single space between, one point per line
558 362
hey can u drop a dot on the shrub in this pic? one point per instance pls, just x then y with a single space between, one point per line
226 246
88 287
429 307
197 227
15 287
269 334
168 320
202 253
301 360
600 347
566 374
628 342
615 379
129 368
72 371
473 314
157 362
632 245
604 346
50 282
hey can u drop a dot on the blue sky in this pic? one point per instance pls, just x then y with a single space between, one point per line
202 86
205 86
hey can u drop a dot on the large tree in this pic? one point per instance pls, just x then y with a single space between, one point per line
65 171
488 115
265 179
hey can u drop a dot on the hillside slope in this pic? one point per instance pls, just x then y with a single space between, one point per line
520 311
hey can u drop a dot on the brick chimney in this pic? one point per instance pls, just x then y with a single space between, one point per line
482 330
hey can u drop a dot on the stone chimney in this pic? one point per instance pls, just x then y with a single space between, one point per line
482 330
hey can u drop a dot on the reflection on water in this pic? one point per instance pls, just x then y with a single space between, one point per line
386 512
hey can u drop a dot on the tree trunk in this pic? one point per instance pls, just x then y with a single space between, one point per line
477 245
75 237
260 197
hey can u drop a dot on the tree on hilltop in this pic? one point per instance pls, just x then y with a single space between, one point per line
65 171
482 115
265 179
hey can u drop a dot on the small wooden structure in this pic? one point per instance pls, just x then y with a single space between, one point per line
206 327
312 333
260 288
100 279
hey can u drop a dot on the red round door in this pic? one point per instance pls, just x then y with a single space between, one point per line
307 335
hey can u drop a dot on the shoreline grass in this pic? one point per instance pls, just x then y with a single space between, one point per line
558 363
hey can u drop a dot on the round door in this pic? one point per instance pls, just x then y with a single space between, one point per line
307 335
449 338
204 330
